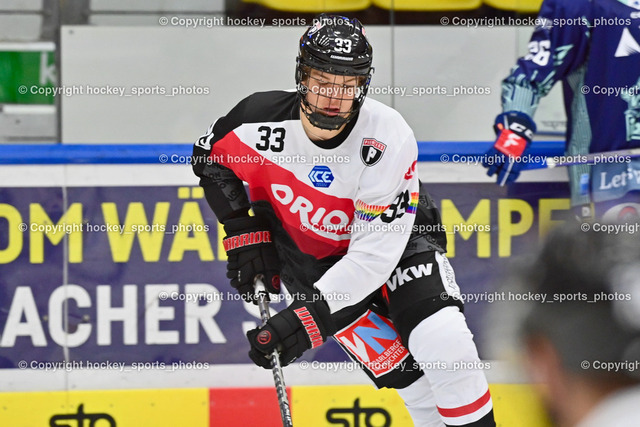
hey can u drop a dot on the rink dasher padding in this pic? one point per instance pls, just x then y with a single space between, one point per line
51 154
138 272
311 406
107 285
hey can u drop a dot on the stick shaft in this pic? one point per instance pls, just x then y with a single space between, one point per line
276 369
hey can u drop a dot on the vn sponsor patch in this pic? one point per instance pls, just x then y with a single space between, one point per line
375 342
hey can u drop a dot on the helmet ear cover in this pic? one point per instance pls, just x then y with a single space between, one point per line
338 46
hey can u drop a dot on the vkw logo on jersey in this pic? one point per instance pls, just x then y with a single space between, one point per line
407 275
374 341
321 176
371 151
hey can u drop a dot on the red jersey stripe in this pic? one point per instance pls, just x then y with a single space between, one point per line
466 409
319 228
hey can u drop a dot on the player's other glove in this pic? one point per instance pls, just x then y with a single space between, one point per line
250 252
514 131
294 330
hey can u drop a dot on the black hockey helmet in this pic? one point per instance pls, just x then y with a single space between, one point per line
336 45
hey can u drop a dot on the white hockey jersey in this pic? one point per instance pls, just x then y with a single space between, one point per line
349 203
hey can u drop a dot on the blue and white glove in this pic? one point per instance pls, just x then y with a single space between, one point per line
514 132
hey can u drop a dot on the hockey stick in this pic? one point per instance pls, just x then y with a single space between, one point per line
586 159
276 368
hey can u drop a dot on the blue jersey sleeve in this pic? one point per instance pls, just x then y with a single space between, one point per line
559 45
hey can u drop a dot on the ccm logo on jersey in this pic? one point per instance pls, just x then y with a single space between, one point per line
333 221
371 151
374 341
402 276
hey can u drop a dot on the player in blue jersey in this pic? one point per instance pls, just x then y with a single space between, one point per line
593 47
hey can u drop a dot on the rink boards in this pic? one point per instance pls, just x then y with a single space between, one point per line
129 260
515 406
136 273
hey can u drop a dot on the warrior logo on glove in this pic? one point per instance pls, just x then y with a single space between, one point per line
310 326
246 239
296 329
251 253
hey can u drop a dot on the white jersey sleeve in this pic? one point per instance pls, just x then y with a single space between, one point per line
385 208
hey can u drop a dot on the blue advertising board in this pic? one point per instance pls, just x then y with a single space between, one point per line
137 273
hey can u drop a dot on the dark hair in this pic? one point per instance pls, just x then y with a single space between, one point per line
593 282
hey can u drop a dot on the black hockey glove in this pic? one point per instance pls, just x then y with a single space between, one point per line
299 327
251 252
514 131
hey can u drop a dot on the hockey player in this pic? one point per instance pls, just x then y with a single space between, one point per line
593 47
583 352
341 218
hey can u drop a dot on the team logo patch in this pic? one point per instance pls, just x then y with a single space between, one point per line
321 176
374 341
371 151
